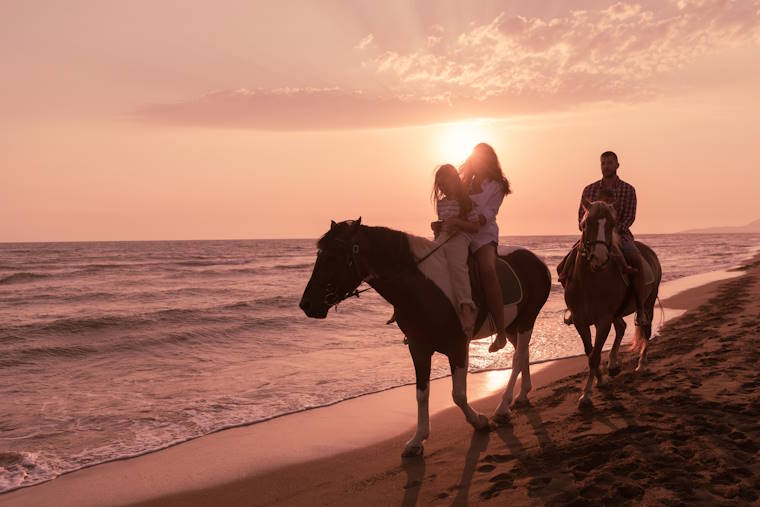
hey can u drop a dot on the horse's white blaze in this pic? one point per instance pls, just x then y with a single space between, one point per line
600 251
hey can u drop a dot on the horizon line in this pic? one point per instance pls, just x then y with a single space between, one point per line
316 238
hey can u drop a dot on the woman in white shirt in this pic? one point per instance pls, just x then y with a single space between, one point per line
487 186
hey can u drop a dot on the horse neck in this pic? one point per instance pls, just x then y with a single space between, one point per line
386 256
386 251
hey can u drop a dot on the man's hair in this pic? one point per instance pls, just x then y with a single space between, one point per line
609 154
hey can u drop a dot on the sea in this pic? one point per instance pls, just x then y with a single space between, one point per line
114 349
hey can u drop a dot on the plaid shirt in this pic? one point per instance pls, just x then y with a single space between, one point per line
625 205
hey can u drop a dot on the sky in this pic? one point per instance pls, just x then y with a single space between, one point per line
152 120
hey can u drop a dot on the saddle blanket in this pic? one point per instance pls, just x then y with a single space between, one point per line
436 269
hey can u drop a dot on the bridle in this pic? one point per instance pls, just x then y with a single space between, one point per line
586 247
351 254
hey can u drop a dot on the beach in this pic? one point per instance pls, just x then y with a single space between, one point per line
686 431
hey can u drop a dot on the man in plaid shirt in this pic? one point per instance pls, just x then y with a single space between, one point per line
625 206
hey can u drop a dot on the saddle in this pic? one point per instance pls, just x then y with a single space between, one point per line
647 269
511 289
435 268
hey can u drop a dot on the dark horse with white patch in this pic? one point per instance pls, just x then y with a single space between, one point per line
350 253
598 295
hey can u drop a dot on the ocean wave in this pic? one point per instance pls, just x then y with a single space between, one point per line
175 316
303 265
22 277
213 262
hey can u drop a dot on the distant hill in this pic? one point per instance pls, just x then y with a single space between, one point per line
751 227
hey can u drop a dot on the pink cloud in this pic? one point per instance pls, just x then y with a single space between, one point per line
510 65
614 52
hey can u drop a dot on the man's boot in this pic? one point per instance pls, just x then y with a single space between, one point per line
639 289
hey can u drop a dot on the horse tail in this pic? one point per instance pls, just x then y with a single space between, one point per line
662 314
640 336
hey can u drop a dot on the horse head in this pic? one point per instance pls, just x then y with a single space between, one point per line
597 235
336 273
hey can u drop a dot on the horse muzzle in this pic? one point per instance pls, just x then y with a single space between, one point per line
313 310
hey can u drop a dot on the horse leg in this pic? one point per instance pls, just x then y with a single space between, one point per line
585 333
612 365
523 352
421 361
459 393
602 330
502 414
644 333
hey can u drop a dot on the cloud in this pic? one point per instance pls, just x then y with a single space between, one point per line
510 65
612 53
294 109
365 42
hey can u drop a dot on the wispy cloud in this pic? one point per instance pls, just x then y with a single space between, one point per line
510 65
365 42
611 53
300 109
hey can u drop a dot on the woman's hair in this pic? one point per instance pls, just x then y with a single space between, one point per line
465 203
484 156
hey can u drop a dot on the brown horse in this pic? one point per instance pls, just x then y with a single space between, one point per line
350 253
597 294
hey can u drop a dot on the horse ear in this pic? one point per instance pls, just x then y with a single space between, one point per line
359 221
332 224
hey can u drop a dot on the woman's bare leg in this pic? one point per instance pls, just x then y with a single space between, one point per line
486 257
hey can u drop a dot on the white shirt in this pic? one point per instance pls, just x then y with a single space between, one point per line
487 203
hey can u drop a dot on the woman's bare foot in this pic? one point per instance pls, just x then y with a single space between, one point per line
499 343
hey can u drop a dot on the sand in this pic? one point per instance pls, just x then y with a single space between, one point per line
686 432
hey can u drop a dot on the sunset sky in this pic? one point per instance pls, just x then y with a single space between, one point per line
247 119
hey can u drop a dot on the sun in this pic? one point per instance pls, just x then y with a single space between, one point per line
456 140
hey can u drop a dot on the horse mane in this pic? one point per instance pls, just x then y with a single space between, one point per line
390 249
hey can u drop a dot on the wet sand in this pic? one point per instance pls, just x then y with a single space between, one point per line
685 432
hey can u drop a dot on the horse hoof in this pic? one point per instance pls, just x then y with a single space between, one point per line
613 372
502 419
413 450
497 346
521 402
585 403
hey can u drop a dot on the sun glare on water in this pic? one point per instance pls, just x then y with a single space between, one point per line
456 140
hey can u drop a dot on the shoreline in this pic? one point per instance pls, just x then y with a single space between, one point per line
476 389
398 413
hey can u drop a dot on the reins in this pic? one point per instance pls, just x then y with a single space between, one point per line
354 264
431 252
